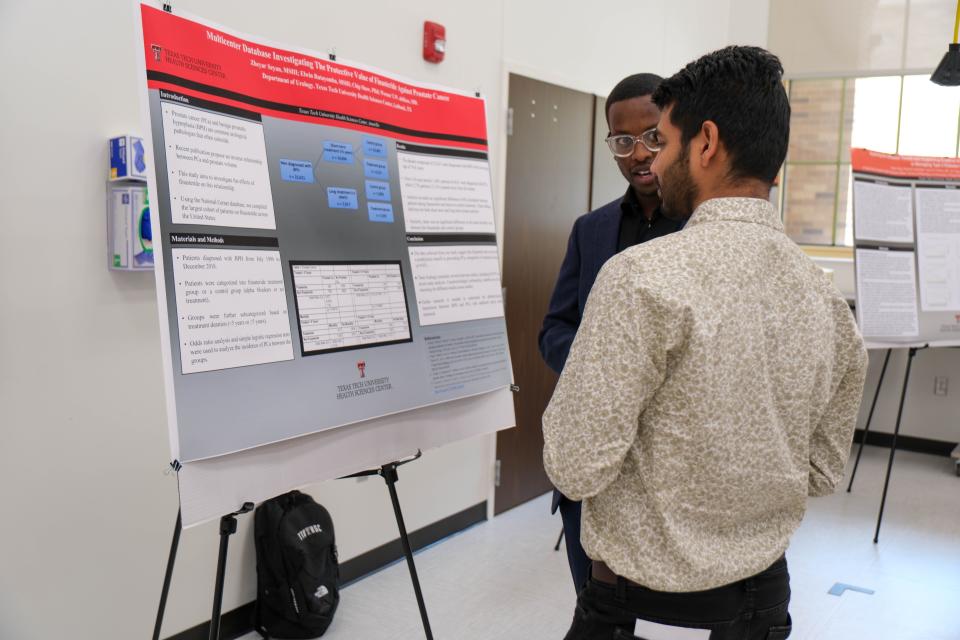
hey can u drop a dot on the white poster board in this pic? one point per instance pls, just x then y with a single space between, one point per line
211 488
906 213
326 261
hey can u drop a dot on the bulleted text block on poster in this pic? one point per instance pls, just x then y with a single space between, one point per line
887 293
456 283
217 168
459 359
938 247
231 308
884 212
445 193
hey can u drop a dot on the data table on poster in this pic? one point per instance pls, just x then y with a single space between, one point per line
350 305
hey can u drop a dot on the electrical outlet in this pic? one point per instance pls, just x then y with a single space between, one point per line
940 385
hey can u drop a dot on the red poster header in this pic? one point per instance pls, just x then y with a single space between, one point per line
191 58
885 164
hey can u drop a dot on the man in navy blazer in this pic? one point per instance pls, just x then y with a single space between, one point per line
596 237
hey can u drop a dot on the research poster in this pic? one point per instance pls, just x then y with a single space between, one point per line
906 213
327 239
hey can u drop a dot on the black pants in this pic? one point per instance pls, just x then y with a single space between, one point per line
751 609
576 556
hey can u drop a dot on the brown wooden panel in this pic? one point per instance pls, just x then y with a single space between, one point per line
547 188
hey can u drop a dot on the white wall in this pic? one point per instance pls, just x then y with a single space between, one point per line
860 37
590 46
749 22
88 508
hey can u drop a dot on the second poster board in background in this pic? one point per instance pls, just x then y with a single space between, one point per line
906 212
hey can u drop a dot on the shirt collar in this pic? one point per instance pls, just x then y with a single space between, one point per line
630 206
737 210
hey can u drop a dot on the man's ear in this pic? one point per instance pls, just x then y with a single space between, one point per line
709 143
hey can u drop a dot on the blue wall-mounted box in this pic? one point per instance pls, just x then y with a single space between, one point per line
128 158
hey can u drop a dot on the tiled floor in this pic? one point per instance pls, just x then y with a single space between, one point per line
502 579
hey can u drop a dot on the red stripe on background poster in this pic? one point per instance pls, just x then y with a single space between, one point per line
188 54
885 164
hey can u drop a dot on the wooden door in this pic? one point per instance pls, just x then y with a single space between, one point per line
549 151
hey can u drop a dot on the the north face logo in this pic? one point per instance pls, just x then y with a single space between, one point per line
320 592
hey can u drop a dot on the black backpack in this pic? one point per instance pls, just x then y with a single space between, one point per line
297 571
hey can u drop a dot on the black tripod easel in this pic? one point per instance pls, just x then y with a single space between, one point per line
389 474
912 352
228 527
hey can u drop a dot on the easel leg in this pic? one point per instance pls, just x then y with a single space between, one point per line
893 445
169 574
866 427
389 473
228 527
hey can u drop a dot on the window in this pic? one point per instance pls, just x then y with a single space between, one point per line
928 118
894 114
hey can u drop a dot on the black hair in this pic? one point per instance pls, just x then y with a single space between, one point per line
635 86
741 90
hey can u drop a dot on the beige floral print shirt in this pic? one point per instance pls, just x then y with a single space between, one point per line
713 385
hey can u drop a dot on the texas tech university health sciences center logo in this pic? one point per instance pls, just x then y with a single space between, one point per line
157 50
364 386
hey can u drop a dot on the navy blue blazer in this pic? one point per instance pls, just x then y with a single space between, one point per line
593 241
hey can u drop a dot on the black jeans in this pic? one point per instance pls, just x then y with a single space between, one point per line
576 556
751 609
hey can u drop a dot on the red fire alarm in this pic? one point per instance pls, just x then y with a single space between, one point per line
434 41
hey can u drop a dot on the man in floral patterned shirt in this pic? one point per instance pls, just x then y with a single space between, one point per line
713 384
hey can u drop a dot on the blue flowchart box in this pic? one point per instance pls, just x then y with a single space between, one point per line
339 198
296 171
375 169
380 211
337 152
378 190
376 147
